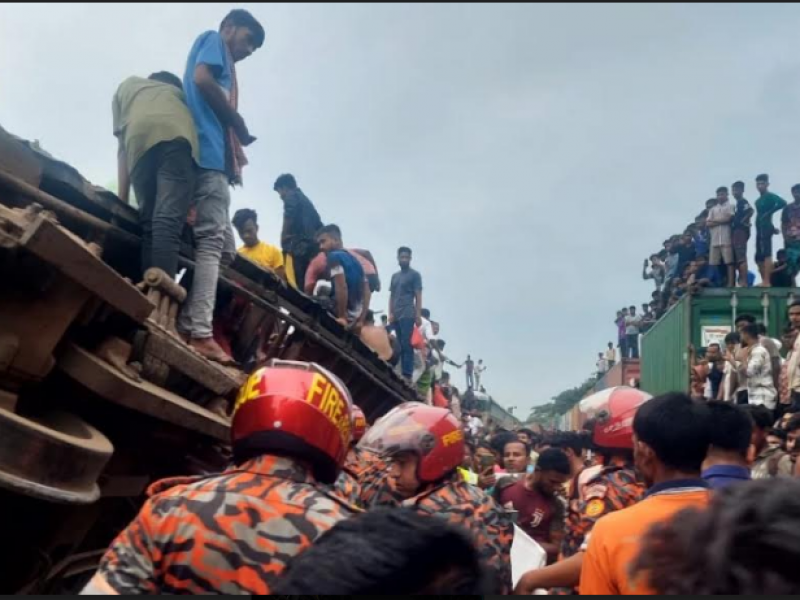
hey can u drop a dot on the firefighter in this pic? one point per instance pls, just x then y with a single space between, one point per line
234 533
598 491
376 488
424 446
348 486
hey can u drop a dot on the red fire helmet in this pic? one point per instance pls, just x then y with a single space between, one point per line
614 428
359 423
432 433
295 409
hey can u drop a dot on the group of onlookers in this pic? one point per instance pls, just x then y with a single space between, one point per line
181 148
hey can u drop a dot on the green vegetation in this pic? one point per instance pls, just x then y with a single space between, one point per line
561 404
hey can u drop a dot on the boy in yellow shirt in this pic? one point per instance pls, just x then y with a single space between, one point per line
263 254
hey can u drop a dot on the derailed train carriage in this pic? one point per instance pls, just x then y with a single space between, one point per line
98 396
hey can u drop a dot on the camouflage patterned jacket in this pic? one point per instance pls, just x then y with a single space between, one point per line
348 484
376 489
232 534
610 489
468 506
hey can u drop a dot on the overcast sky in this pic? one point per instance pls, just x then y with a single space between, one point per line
531 155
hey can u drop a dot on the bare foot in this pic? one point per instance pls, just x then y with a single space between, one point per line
211 350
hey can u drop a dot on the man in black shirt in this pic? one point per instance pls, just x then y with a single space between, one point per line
781 274
686 252
716 371
301 222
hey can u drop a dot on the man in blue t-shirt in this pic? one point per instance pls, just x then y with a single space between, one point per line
705 275
212 94
350 286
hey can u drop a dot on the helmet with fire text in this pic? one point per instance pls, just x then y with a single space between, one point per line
359 423
432 433
614 423
294 409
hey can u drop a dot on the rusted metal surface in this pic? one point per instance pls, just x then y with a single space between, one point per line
63 289
39 323
348 349
55 245
117 353
157 279
179 356
143 396
167 296
63 457
18 158
30 194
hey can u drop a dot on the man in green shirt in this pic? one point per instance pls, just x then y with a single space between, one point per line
158 150
766 206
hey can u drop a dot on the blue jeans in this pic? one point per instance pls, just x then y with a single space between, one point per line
405 328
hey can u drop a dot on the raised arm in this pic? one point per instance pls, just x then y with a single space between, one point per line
213 94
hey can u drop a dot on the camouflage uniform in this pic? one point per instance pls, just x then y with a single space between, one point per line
597 492
612 488
348 484
469 507
232 534
371 472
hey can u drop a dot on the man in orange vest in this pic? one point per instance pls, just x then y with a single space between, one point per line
671 439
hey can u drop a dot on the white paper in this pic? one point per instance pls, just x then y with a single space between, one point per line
526 555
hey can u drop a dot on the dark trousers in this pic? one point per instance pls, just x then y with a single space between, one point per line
633 345
470 380
164 180
405 329
743 398
623 348
795 402
301 264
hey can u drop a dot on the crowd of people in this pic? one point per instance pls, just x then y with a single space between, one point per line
712 252
655 496
750 369
181 147
317 501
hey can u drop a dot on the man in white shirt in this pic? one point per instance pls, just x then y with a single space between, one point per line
632 325
475 424
611 355
719 225
602 365
727 392
760 385
479 369
772 346
426 329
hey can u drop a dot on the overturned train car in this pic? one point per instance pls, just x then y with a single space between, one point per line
98 396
